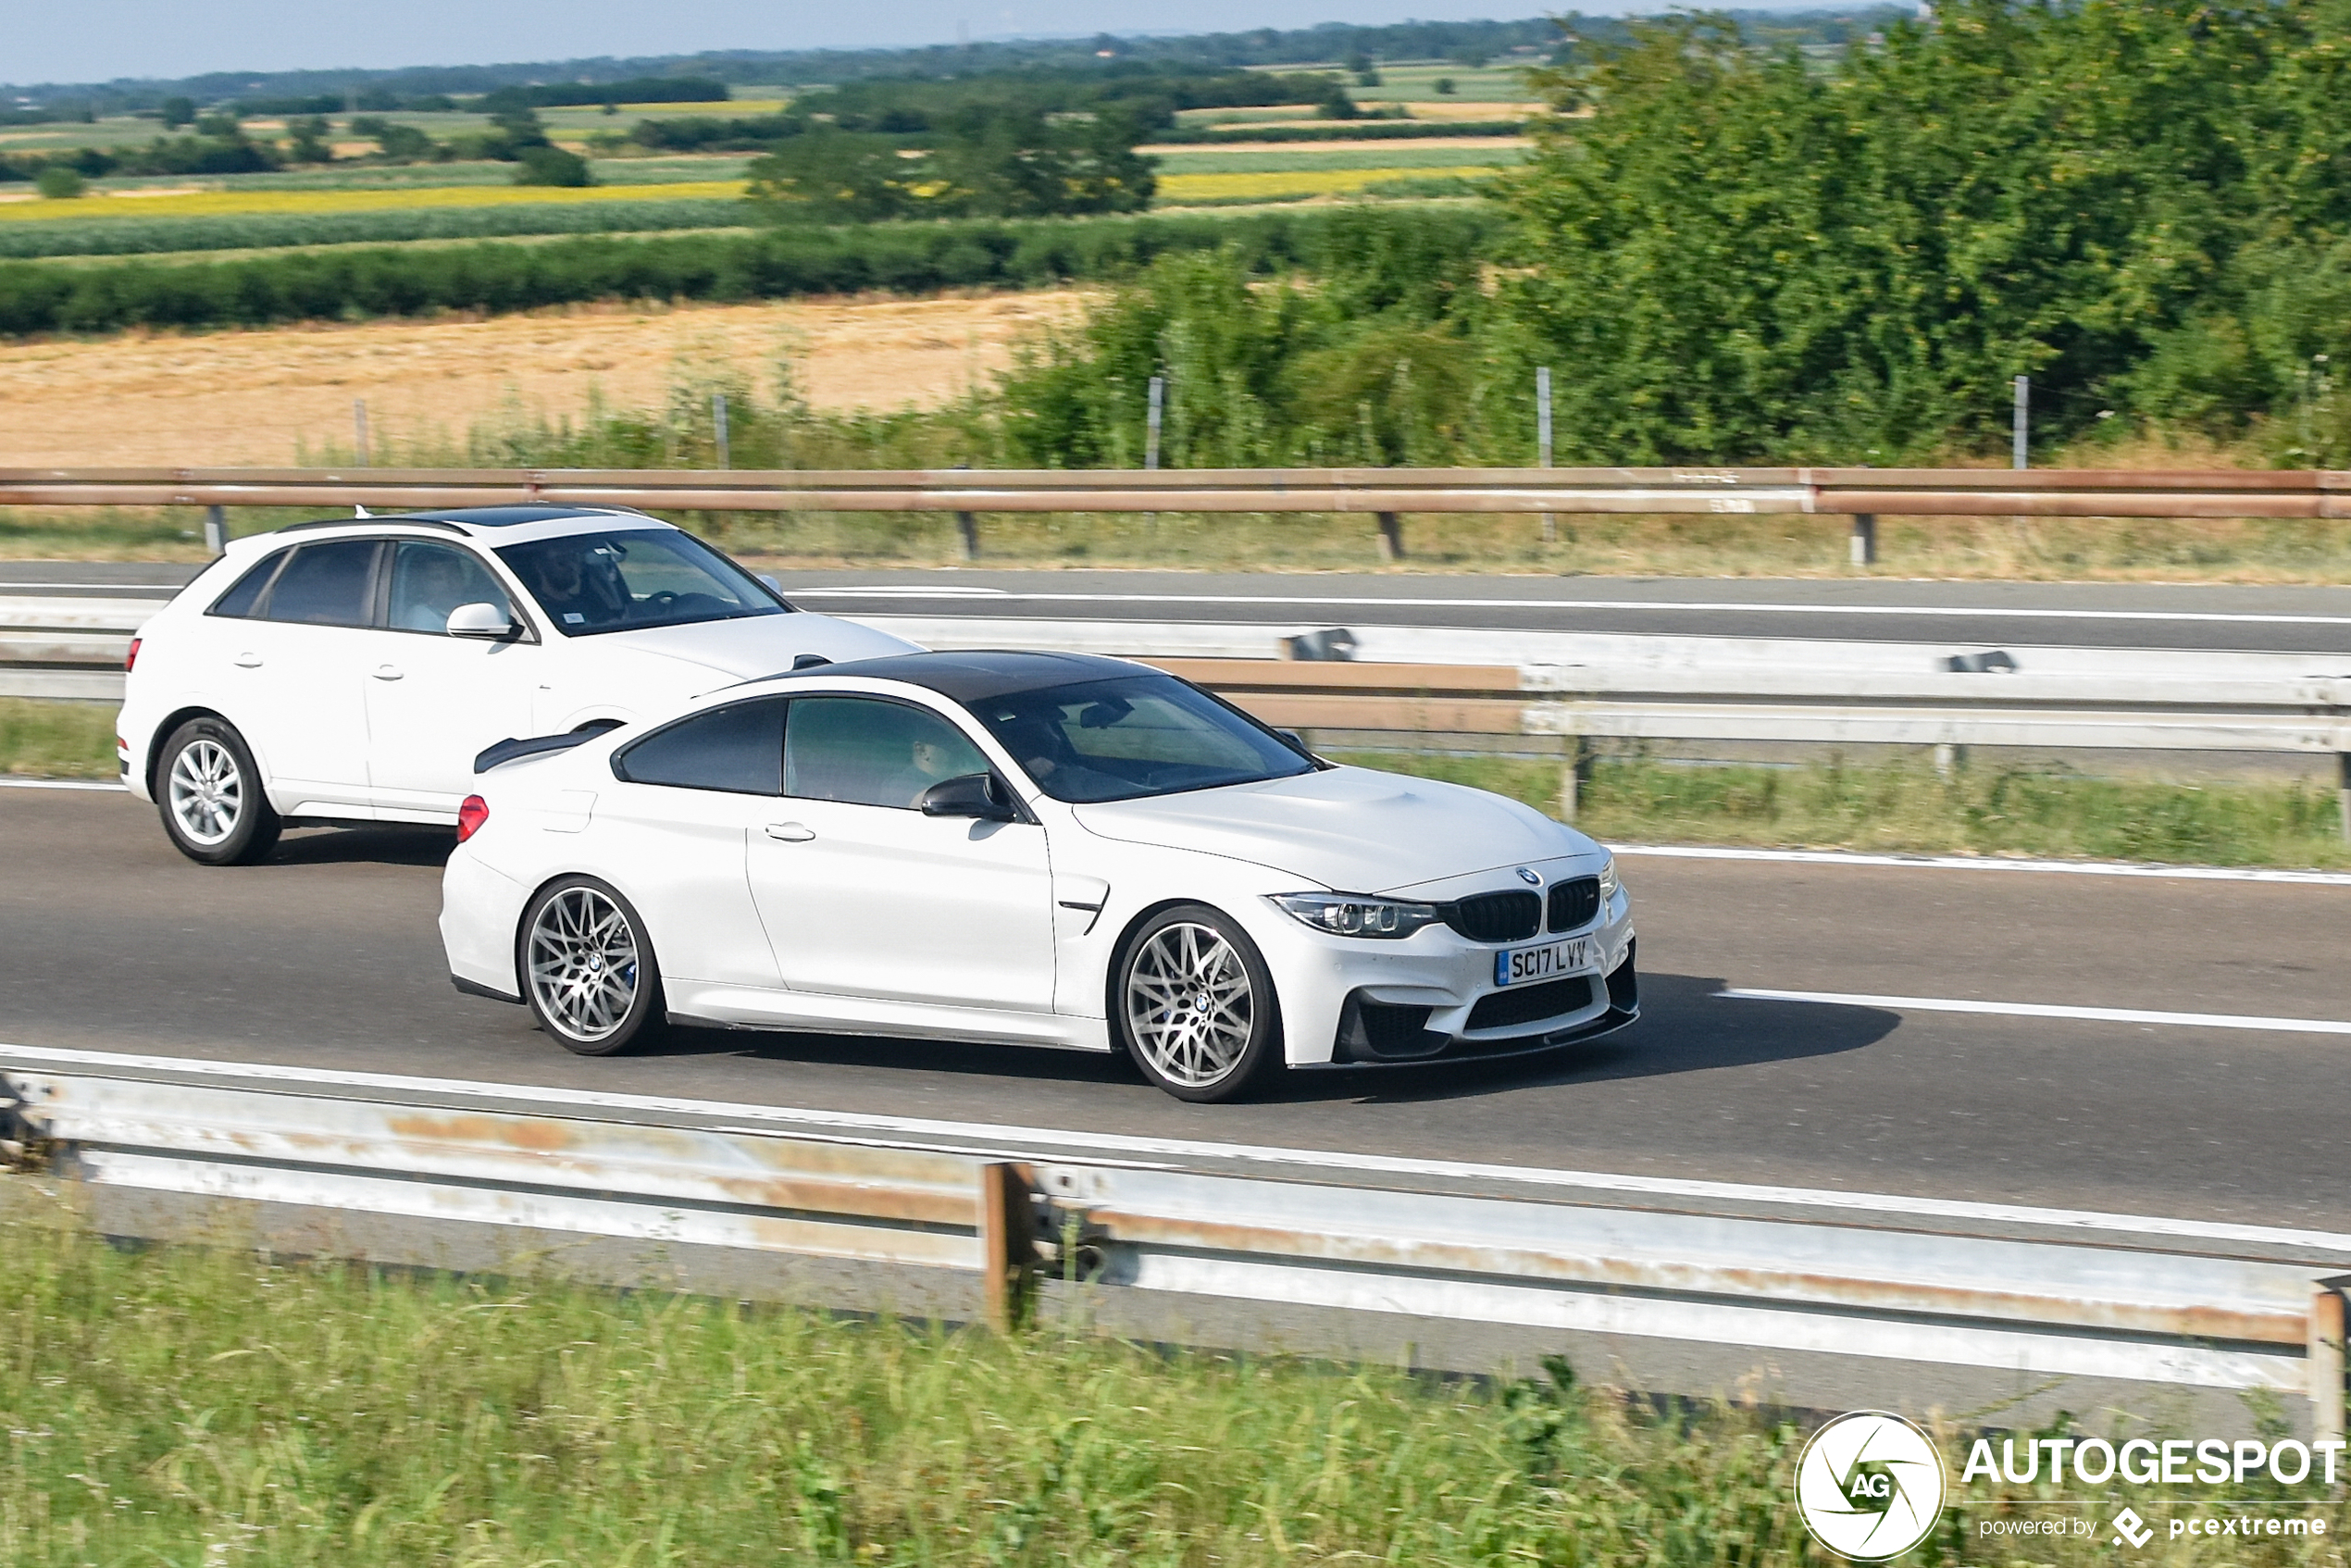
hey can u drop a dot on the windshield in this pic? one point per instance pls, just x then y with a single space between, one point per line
617 581
1131 736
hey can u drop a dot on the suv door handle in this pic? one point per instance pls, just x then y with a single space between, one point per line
389 672
791 832
248 661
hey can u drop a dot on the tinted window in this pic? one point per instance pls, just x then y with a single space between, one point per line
593 582
238 600
1133 735
325 584
871 752
739 748
429 580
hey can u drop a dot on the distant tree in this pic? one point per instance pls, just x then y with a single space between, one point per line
1445 87
1022 164
401 143
310 142
222 124
835 176
59 183
1336 105
550 164
178 112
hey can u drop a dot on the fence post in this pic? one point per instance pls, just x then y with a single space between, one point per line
1007 1244
1158 404
1864 539
2342 790
359 430
1579 764
2019 455
718 427
1391 537
967 531
216 529
2324 1349
1543 439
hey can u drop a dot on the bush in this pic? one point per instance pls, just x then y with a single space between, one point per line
59 183
551 166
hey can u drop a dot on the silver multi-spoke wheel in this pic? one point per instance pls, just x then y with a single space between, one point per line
1189 1004
206 791
584 964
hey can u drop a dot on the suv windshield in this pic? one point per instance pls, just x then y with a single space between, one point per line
1132 736
626 578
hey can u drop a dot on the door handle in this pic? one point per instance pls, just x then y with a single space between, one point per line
248 661
389 672
791 832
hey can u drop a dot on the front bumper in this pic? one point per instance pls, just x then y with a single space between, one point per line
1371 1032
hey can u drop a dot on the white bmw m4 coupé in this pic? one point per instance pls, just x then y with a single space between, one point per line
1020 848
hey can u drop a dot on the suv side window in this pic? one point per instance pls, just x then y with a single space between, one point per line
238 600
429 581
871 752
325 584
739 748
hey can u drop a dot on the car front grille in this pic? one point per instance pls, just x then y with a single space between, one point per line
1496 917
1529 1003
1574 903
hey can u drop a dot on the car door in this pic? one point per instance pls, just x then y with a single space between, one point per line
291 683
434 700
862 895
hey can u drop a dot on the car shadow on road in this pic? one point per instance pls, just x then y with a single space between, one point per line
346 846
1685 1028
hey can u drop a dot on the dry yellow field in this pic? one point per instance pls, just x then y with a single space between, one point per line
254 398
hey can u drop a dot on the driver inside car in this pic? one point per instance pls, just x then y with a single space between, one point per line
581 587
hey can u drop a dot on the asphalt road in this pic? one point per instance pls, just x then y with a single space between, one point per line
1967 616
328 957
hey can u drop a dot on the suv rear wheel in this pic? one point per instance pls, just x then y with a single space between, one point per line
209 793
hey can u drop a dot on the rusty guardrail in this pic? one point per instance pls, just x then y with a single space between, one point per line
1842 1282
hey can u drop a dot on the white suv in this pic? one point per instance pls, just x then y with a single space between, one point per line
351 670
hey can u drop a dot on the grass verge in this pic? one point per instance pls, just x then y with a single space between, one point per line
55 741
1906 807
180 1406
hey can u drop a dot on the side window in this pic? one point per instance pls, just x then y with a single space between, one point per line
429 581
871 752
238 600
738 747
324 584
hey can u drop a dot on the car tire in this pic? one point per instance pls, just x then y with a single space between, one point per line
209 793
587 968
1193 1004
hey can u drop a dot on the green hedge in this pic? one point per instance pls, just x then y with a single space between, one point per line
272 231
37 297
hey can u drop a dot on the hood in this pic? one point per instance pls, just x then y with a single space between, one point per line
1348 828
760 645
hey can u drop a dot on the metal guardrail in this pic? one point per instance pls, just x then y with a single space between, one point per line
1849 1284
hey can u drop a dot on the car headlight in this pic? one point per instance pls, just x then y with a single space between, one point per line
1352 914
1609 886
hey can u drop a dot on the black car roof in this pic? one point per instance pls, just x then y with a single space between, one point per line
478 517
970 678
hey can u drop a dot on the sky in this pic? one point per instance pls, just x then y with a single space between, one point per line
101 40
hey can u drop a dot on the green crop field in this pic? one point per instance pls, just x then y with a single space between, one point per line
1187 161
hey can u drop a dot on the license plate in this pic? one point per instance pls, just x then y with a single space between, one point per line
1516 967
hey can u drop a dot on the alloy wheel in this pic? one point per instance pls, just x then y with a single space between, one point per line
206 791
1189 1004
583 963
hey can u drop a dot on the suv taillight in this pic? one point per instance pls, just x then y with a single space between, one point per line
470 816
131 660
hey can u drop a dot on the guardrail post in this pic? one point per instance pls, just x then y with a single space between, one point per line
216 529
968 531
2342 790
1007 1244
1391 537
2324 1370
1579 762
1864 539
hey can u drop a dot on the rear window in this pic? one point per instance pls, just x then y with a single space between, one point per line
739 748
240 599
325 585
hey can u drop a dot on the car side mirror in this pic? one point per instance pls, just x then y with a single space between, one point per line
972 794
479 620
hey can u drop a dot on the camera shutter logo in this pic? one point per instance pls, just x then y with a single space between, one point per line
1870 1485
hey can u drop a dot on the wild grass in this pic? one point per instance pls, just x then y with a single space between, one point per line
185 1407
1983 806
41 740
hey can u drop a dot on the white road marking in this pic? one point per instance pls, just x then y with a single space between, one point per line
2048 1010
93 587
58 784
996 1136
1976 863
1709 607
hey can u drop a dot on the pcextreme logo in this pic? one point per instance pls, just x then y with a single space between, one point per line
1870 1485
